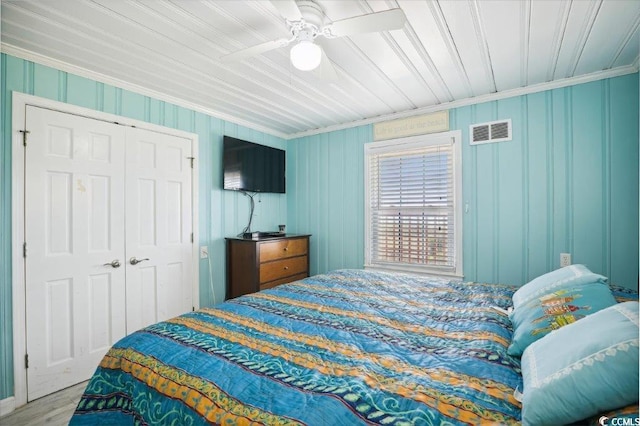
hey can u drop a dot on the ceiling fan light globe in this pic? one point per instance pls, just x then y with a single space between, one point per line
306 55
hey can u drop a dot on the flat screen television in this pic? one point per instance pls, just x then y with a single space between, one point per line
251 167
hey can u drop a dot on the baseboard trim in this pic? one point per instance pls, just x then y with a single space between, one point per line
7 406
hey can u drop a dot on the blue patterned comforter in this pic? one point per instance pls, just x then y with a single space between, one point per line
348 347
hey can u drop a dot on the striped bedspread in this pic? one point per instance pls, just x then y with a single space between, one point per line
344 348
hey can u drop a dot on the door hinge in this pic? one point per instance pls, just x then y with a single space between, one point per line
191 158
24 250
193 308
24 136
26 360
192 237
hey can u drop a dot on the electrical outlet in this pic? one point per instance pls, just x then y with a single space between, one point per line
204 252
565 259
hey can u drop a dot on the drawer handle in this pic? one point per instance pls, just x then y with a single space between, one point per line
286 248
286 268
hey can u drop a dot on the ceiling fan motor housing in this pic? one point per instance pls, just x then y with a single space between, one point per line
311 13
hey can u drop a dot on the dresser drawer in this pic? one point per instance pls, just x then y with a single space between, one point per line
282 249
283 268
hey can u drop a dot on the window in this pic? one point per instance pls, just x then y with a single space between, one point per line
413 207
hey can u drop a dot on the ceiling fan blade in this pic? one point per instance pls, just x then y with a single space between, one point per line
288 9
326 71
387 20
254 50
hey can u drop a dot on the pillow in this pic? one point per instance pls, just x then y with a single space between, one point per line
560 278
540 316
582 369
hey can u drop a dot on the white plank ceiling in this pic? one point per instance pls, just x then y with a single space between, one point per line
447 51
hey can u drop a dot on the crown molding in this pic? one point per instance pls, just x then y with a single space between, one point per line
534 88
527 90
122 84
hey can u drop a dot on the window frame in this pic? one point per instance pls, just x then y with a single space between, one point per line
407 143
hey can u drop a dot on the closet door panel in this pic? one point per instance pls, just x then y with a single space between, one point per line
158 237
74 231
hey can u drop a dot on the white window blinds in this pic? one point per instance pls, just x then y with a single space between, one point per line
412 206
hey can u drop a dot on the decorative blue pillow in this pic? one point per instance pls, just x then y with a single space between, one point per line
568 276
541 315
582 369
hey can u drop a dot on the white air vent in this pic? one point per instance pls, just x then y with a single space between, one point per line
493 131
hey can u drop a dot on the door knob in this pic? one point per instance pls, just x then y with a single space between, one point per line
135 261
113 264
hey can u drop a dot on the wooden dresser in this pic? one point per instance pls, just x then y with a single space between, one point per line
254 265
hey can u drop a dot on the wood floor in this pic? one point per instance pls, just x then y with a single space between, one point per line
51 410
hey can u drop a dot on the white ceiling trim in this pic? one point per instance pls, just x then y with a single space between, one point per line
102 78
83 72
535 88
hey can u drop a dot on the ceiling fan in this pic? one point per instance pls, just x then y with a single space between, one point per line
305 20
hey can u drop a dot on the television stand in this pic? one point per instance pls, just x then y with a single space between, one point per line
259 264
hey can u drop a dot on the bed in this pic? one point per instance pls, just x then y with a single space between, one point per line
347 347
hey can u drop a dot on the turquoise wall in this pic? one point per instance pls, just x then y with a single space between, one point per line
221 213
567 182
326 196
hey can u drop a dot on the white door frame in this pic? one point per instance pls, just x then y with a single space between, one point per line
19 104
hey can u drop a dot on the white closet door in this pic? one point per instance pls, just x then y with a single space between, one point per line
74 216
158 220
